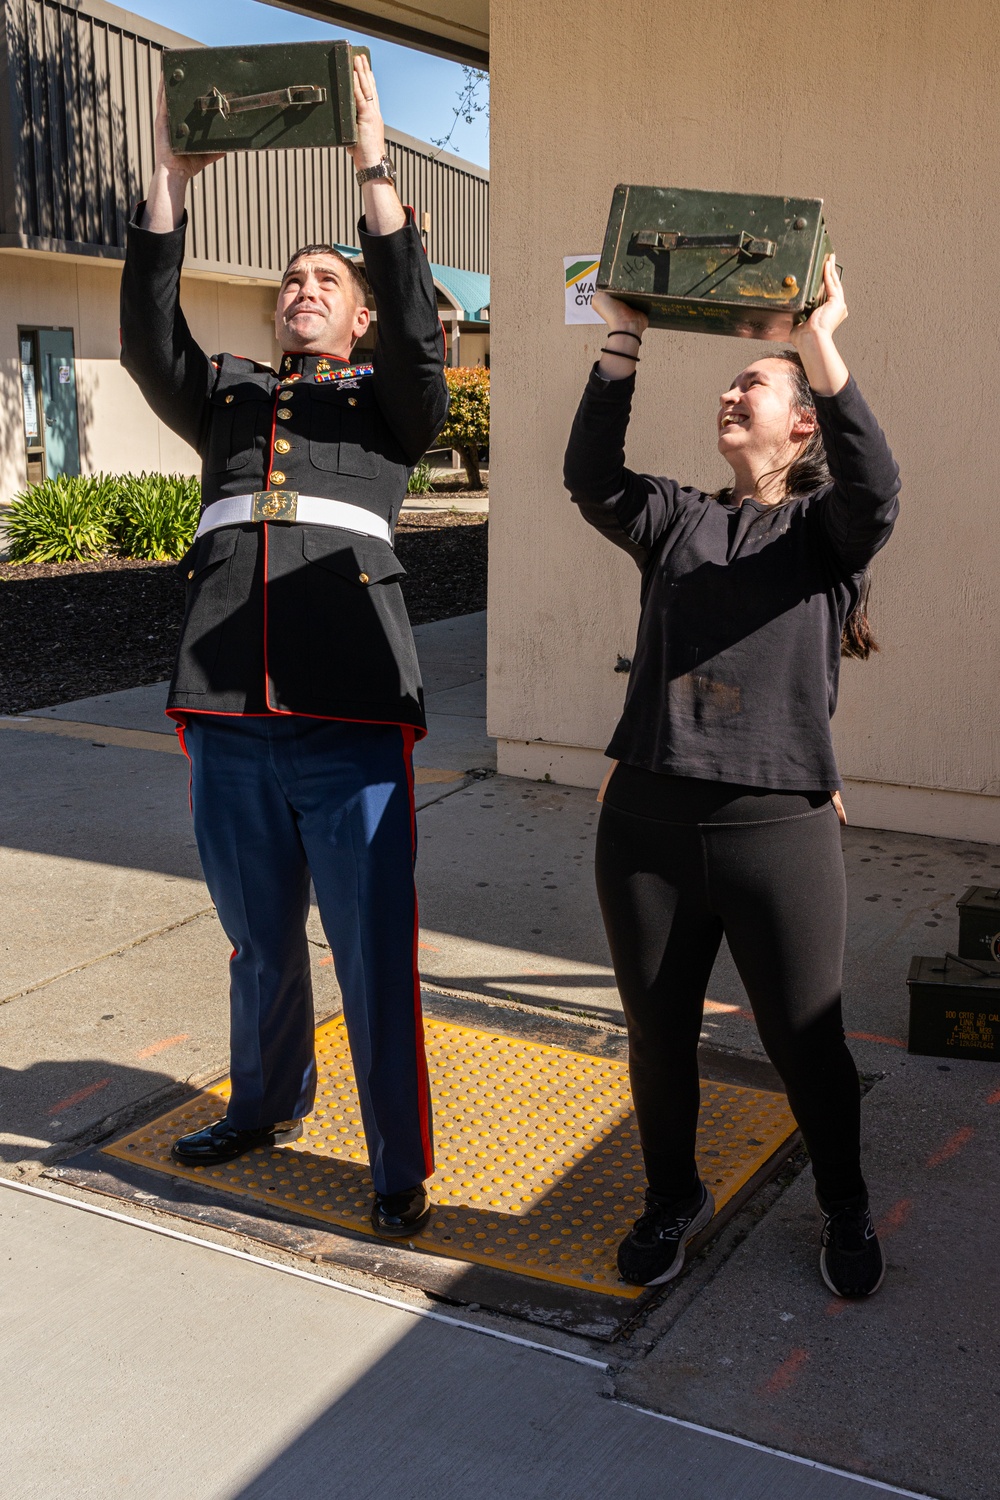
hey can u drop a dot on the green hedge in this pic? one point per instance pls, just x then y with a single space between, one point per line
147 516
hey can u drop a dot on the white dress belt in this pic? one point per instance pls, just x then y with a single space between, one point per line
289 505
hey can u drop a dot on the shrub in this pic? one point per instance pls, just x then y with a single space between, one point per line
156 515
467 428
147 516
61 520
420 480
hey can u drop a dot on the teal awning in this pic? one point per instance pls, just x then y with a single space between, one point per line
469 291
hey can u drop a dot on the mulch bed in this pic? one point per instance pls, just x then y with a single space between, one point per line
72 630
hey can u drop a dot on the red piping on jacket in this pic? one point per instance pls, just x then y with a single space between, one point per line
178 715
423 1083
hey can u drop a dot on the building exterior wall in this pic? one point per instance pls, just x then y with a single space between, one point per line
118 432
879 110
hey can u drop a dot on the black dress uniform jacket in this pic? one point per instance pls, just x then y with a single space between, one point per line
737 658
287 617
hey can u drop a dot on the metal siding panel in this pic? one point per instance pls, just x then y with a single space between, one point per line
126 127
76 206
55 112
121 98
38 121
24 207
90 177
232 240
140 129
103 134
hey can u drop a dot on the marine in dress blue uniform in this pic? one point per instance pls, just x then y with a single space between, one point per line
297 690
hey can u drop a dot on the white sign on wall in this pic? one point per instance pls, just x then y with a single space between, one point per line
580 275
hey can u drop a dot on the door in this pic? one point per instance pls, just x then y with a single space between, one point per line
32 415
58 372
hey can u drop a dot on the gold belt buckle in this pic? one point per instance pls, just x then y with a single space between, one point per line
274 505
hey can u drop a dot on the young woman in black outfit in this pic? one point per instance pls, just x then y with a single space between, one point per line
722 814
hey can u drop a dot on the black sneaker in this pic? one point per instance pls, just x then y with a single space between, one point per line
851 1259
654 1251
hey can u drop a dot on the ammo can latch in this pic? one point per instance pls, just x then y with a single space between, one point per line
298 94
668 239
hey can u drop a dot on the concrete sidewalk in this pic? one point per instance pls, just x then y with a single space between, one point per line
140 1365
112 999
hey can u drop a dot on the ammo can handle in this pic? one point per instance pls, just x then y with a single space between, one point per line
239 104
669 239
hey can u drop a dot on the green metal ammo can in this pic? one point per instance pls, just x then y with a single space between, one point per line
954 1008
730 263
979 923
279 96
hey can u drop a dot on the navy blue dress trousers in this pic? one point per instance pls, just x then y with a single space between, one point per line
275 799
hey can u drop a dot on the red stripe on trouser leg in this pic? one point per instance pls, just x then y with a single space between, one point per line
423 1082
180 726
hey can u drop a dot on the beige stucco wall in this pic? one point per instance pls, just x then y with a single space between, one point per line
882 110
474 348
118 432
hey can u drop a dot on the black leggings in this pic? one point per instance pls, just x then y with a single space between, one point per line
679 863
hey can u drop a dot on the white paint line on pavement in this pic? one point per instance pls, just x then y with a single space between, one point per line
793 1458
273 1265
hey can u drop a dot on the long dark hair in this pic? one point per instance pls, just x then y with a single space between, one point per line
809 472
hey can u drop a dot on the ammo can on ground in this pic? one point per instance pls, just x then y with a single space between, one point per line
278 96
979 923
730 263
954 1008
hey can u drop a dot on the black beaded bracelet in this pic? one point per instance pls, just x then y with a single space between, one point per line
625 334
619 355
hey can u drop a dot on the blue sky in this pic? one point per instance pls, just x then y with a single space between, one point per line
417 91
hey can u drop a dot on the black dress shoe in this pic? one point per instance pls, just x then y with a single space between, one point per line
223 1142
401 1214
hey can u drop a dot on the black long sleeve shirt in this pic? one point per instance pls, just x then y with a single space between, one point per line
294 618
737 660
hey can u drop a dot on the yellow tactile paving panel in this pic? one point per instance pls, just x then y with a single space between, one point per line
538 1162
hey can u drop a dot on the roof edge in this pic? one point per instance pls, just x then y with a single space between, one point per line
357 19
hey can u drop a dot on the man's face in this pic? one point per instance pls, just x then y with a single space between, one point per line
320 308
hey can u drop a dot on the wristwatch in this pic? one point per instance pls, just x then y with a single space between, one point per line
382 171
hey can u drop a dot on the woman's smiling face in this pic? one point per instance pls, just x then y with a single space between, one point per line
758 415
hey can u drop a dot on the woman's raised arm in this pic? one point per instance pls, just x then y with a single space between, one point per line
626 327
825 369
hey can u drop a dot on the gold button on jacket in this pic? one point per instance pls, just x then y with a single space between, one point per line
282 445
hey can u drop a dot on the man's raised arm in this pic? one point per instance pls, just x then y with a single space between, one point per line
409 354
158 350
